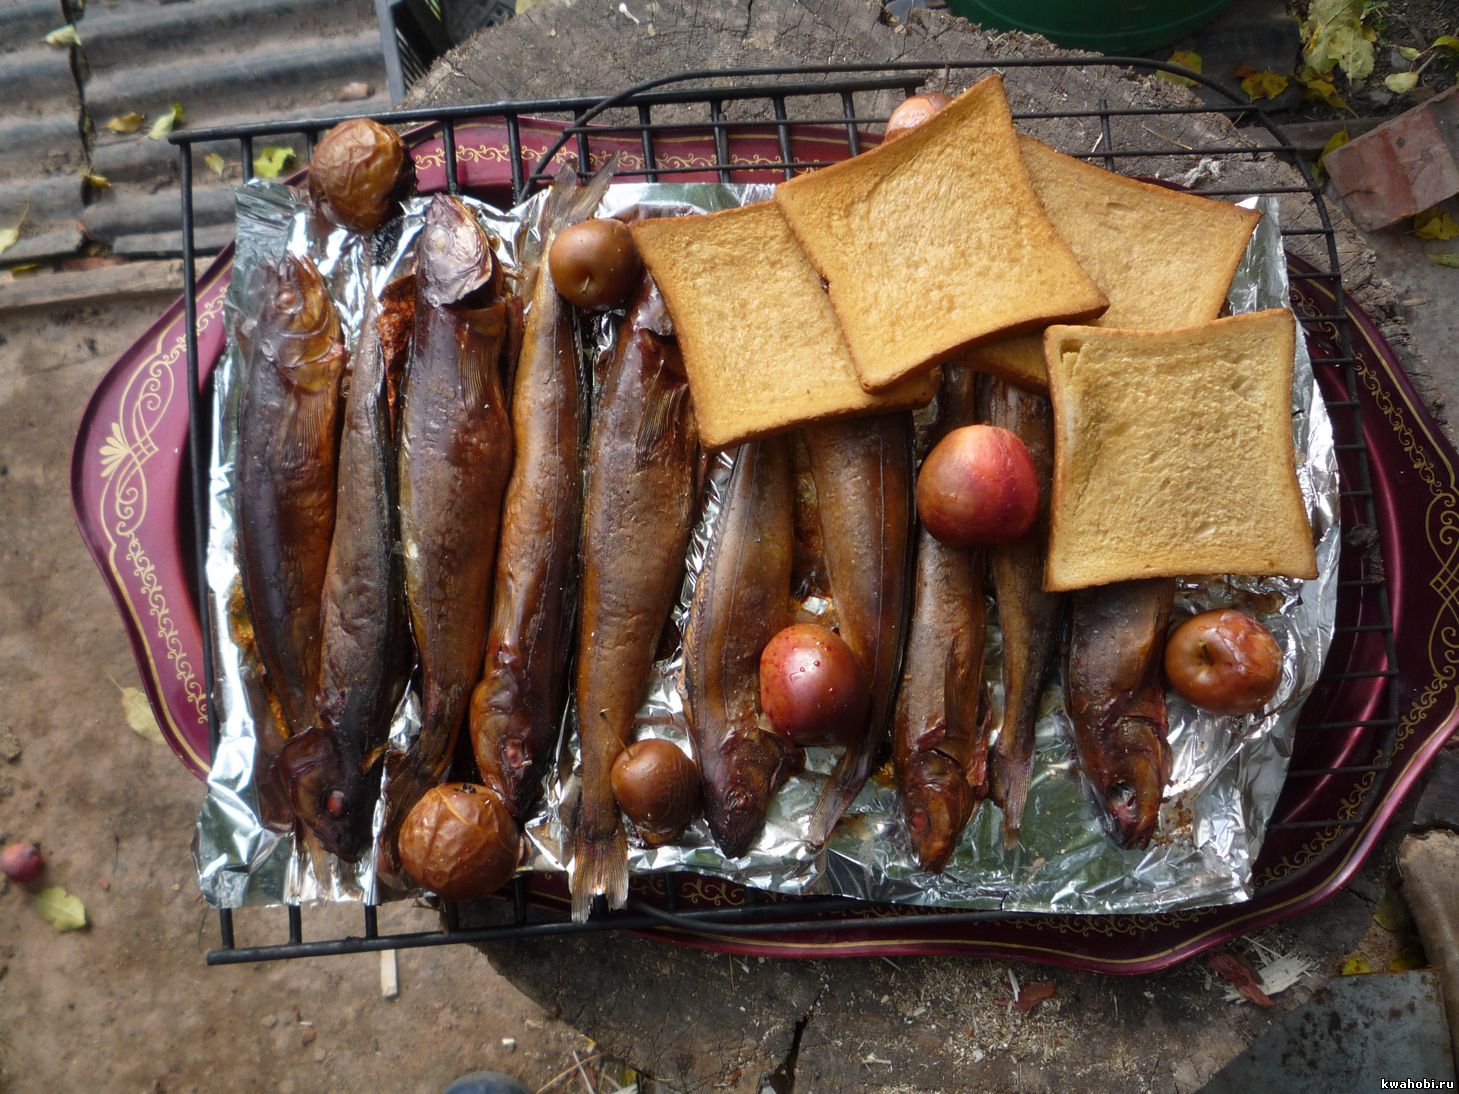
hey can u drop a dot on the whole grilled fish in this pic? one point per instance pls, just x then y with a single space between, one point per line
863 478
330 770
637 515
455 456
1028 617
1116 700
288 449
939 744
741 600
517 707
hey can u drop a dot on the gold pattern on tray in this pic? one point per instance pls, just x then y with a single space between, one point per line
128 447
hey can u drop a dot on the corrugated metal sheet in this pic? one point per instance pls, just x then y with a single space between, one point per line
42 155
222 60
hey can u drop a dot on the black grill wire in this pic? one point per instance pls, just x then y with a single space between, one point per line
1333 799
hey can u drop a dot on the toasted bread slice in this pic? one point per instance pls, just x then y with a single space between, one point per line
1173 453
935 241
1164 258
761 344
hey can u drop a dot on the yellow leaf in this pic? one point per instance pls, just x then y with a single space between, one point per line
126 123
1445 260
1446 41
138 712
1185 58
1401 83
166 122
10 236
1356 966
1337 140
1318 86
1391 913
60 909
1265 84
101 182
63 36
1408 53
215 163
1333 36
271 161
1435 224
1410 957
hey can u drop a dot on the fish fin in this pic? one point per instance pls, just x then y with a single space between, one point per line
570 200
480 373
599 867
847 779
1010 779
664 412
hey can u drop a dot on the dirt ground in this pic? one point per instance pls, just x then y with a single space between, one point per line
128 1004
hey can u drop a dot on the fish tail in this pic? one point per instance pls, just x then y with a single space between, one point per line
570 201
599 867
1011 777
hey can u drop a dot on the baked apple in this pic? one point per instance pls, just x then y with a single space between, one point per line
657 787
811 686
1224 661
977 486
459 841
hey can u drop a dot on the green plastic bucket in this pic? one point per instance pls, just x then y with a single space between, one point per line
1109 26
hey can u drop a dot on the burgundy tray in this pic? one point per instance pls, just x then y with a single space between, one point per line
131 494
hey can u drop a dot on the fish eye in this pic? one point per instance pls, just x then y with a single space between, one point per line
335 803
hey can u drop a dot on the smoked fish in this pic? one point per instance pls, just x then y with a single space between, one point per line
862 471
638 511
1029 617
331 770
939 740
455 455
1116 700
741 599
517 707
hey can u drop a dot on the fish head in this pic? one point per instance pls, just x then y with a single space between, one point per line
297 325
757 763
456 260
936 804
333 798
1132 796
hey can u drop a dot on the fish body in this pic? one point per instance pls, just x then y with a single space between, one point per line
1116 700
517 707
638 510
455 455
1028 616
330 769
741 600
939 742
288 417
862 470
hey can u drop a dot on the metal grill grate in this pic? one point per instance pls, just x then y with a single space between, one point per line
1340 757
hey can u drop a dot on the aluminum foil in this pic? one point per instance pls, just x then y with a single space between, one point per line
1227 772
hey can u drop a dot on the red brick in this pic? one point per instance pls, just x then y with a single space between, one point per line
1403 167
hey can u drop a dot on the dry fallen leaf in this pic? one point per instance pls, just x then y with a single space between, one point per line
271 161
101 182
1185 58
1446 41
1401 83
1034 993
139 715
166 122
60 909
125 123
1337 140
10 236
215 163
1391 913
1435 224
1356 965
1408 53
1240 974
1445 260
1318 87
1265 84
1407 959
63 36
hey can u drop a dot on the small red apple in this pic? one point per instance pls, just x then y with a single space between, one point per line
1224 661
913 111
978 485
22 862
811 686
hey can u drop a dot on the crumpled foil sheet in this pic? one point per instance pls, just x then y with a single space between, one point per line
1227 773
